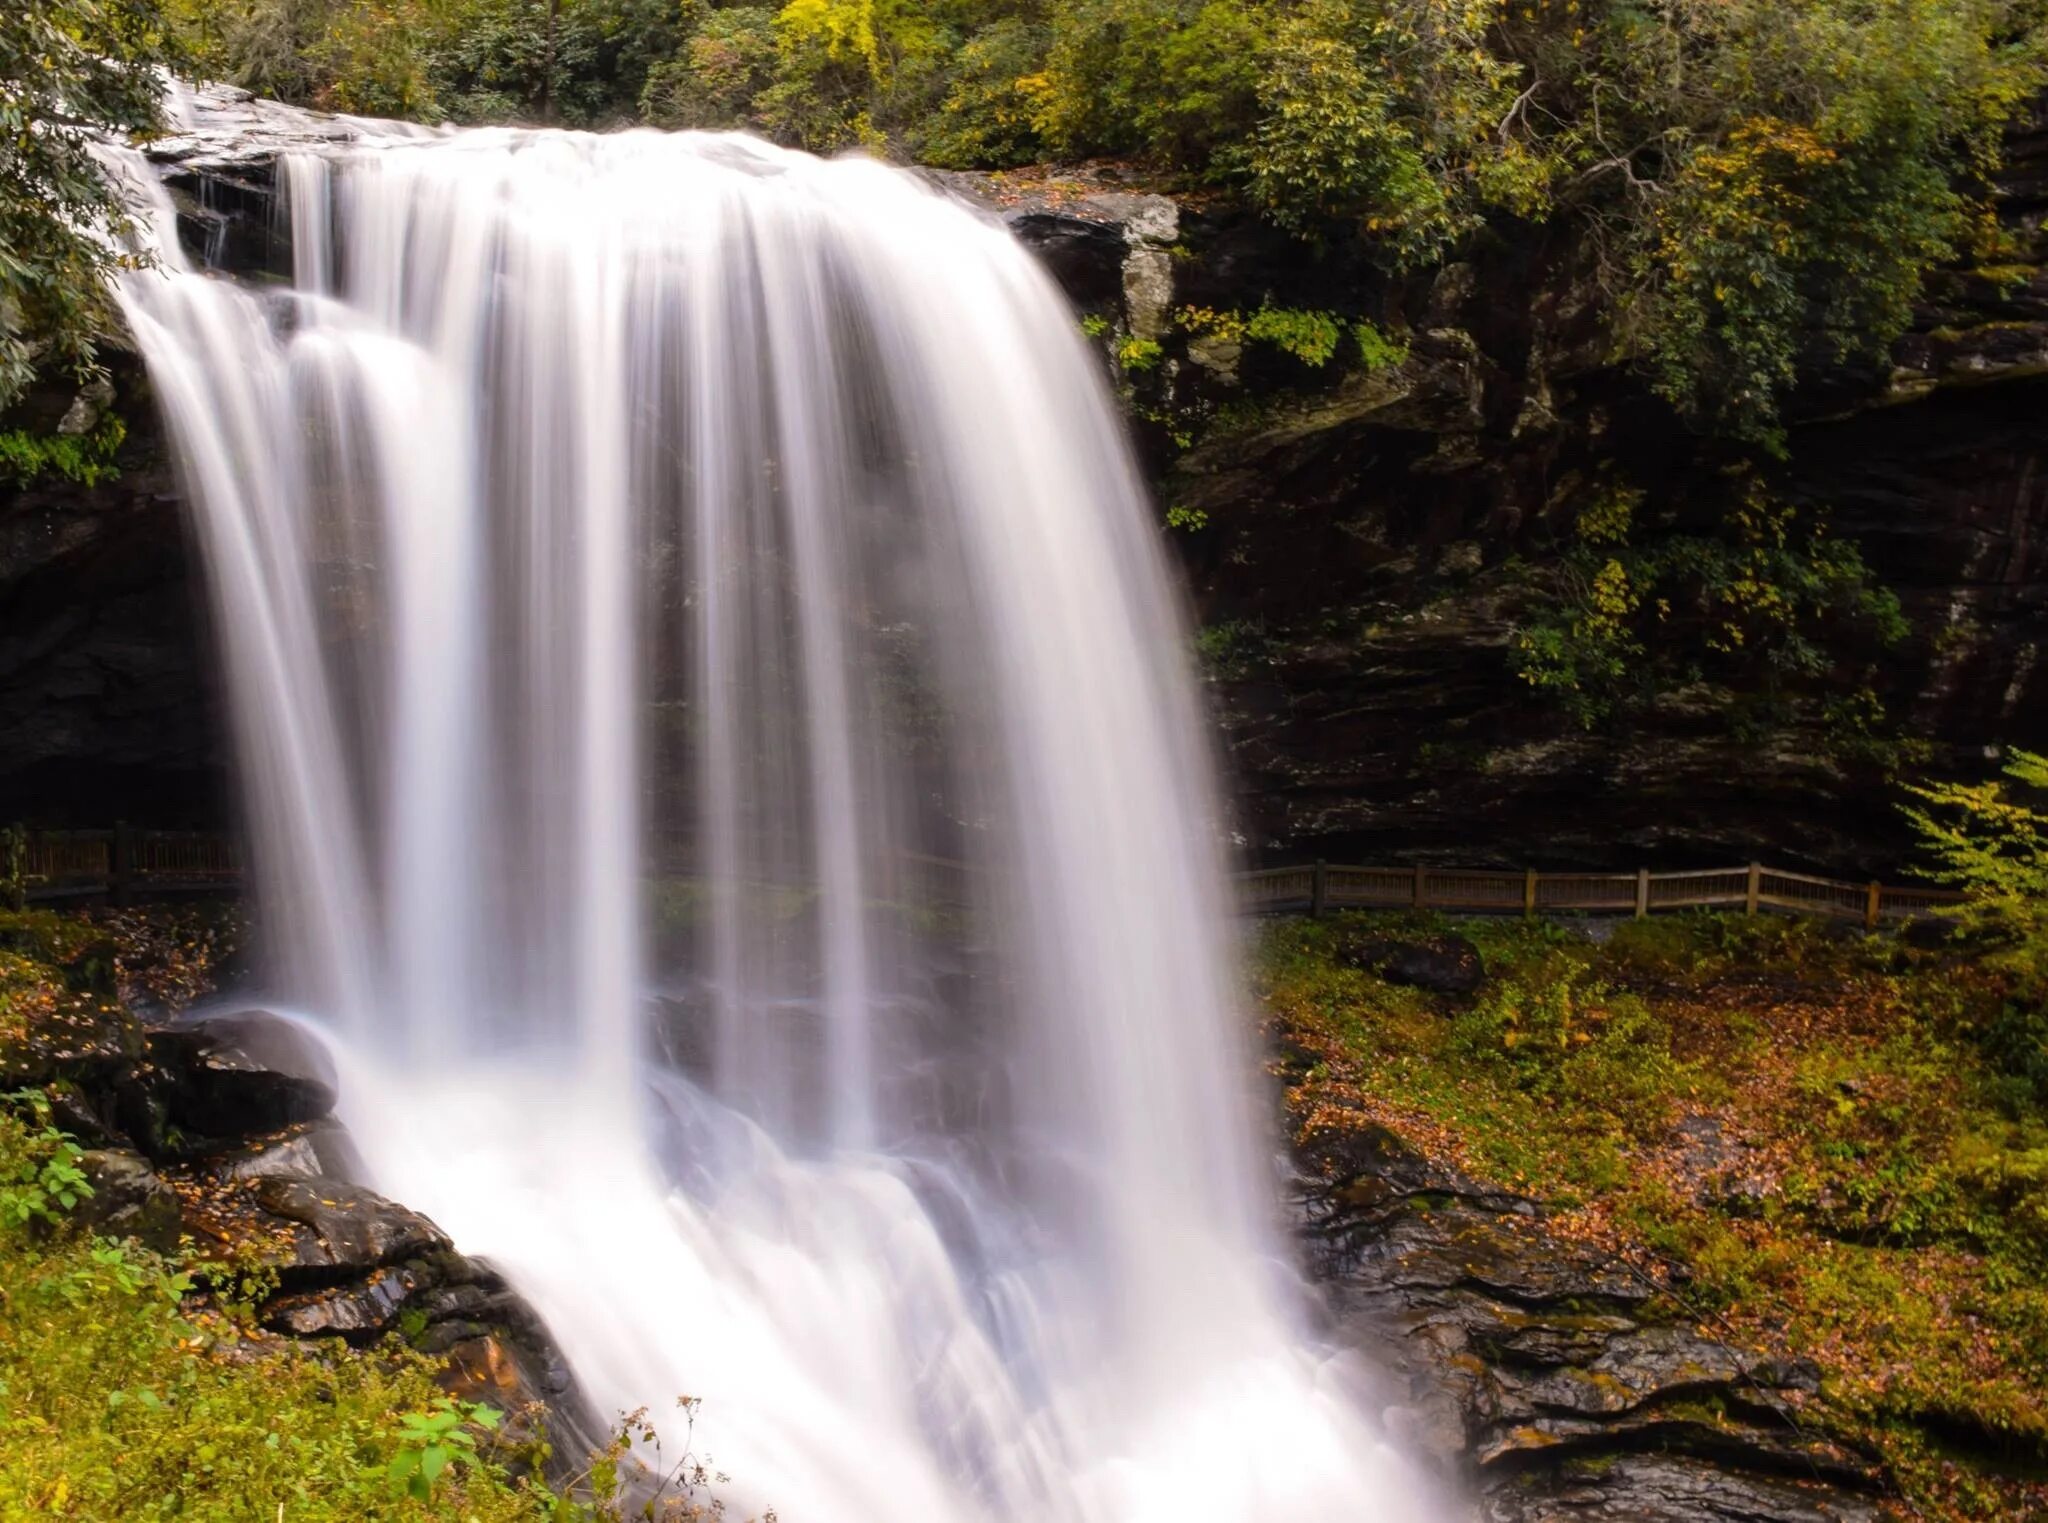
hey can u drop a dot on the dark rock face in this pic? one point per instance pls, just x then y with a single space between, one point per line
239 1074
107 705
1369 544
1547 1377
1365 550
110 704
339 1232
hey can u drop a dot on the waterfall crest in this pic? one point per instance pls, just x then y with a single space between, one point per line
719 762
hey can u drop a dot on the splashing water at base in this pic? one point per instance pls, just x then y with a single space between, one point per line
721 771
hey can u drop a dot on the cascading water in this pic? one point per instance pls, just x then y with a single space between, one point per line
720 765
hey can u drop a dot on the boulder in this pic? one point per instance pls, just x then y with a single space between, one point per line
360 1311
324 1233
233 1076
315 1150
129 1200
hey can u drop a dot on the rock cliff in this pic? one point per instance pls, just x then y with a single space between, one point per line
1359 552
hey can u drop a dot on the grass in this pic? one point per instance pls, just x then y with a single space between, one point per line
124 1396
138 1387
1822 1130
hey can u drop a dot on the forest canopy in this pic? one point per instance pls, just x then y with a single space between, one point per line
1759 183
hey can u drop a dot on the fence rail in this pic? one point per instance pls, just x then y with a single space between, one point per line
1320 887
122 863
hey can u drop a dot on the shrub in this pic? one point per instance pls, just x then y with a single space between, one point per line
720 73
73 69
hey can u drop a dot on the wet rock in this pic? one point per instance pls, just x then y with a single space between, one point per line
327 1232
83 1116
1663 1488
360 1311
129 1200
316 1150
231 1076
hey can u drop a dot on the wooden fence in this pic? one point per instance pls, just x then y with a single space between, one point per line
1321 886
121 864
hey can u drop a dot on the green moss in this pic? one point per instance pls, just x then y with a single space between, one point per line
88 458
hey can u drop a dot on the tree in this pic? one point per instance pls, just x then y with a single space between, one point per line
70 70
1990 840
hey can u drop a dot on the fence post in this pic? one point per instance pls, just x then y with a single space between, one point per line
14 870
1319 890
1756 884
1529 894
123 863
1642 893
1870 907
1421 885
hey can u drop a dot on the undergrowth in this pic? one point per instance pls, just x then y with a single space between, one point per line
1836 1136
137 1387
122 1399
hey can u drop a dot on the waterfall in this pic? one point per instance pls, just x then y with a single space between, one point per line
721 767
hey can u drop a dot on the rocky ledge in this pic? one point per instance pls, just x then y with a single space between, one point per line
1548 1376
219 1131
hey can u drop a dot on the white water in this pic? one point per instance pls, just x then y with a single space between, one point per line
635 557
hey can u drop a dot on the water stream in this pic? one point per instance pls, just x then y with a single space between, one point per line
720 765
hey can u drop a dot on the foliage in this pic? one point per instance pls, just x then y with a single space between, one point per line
725 64
1310 336
1991 840
580 62
437 1440
1139 354
1877 1201
1231 648
45 1180
1173 79
665 1493
68 69
87 458
1393 120
1766 601
1818 158
124 1398
995 99
1376 349
1759 183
